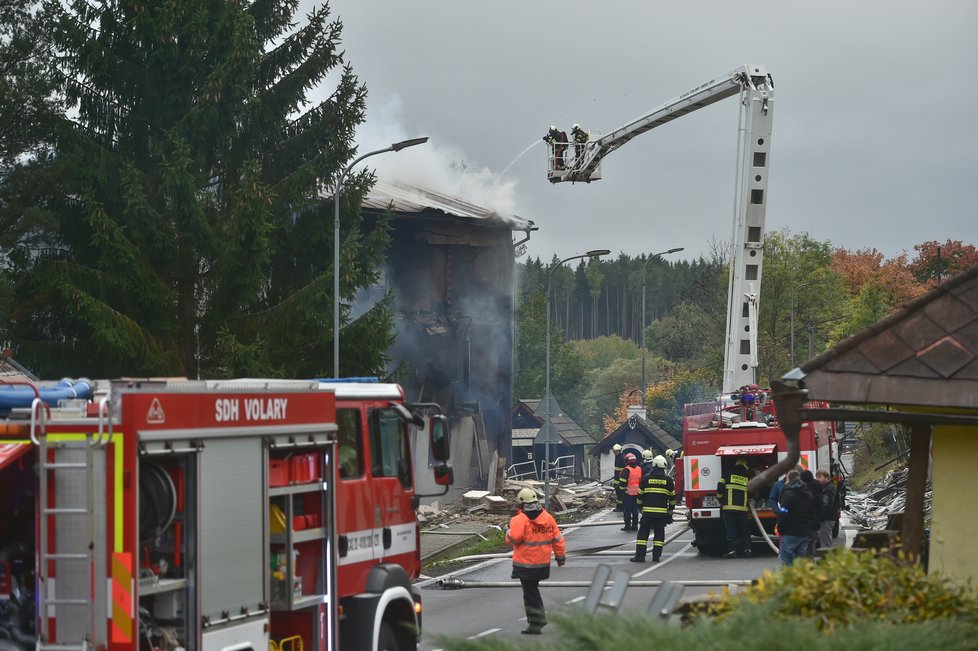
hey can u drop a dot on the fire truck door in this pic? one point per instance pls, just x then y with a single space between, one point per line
390 454
232 562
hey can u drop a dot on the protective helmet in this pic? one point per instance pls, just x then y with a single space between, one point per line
659 461
553 128
741 462
630 457
576 126
526 495
616 448
647 455
670 452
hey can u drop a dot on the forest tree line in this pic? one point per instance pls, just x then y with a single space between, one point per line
812 296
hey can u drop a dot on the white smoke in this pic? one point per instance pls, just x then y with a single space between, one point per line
436 165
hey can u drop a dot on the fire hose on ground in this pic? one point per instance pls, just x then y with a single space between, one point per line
590 551
760 527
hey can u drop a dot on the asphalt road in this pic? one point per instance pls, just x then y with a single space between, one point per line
475 612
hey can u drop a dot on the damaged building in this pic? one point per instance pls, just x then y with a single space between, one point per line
451 267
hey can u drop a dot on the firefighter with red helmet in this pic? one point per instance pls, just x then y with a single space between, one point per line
732 493
628 481
657 498
533 533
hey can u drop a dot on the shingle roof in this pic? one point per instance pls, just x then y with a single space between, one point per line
655 435
925 353
566 427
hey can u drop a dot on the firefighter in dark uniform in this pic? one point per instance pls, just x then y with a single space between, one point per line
732 493
580 137
657 498
619 466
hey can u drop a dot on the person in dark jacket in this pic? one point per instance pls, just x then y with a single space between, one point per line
826 508
657 497
732 494
534 535
815 488
774 499
619 466
796 519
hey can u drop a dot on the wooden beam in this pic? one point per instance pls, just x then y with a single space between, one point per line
912 532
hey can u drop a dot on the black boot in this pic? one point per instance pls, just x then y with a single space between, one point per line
637 559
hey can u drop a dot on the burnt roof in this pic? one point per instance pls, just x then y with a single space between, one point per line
414 200
924 353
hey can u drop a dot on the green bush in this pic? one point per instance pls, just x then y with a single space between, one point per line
850 586
849 600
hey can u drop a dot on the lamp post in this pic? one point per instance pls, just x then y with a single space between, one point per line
596 253
645 268
397 146
794 293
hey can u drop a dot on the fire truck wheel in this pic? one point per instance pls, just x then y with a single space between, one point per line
387 640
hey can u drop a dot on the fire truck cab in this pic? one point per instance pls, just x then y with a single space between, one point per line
213 516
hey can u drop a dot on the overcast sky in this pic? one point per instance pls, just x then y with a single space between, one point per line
875 132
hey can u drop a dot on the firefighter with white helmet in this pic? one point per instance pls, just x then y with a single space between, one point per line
533 533
657 498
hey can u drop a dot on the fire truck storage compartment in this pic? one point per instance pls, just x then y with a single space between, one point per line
296 532
168 548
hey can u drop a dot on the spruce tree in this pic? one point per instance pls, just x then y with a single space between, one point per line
187 199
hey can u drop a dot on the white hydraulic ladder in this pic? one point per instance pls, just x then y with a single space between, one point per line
66 576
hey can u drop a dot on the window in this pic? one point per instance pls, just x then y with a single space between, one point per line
389 446
348 437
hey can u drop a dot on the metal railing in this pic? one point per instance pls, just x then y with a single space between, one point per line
521 471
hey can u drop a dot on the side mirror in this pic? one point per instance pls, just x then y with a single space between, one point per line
409 417
440 437
444 476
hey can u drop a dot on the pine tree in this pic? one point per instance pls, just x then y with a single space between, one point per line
188 196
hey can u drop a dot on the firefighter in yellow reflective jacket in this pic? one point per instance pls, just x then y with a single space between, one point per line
732 493
657 498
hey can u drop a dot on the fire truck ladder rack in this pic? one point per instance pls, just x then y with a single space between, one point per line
71 566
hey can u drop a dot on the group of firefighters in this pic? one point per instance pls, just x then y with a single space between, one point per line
558 142
649 489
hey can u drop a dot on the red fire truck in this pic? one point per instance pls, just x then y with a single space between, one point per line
298 495
740 424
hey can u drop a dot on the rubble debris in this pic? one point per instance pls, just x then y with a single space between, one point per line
880 501
497 507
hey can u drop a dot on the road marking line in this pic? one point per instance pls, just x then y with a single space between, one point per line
671 558
576 599
482 634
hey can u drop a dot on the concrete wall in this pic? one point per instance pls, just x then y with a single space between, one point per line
954 521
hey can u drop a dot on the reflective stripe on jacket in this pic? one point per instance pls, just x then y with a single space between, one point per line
732 489
632 476
658 493
534 539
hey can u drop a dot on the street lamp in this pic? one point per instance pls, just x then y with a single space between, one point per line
794 293
645 268
548 428
397 146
